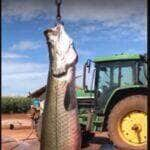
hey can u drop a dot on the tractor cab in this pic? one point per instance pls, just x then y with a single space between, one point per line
112 74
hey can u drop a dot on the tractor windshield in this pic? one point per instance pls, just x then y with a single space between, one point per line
110 76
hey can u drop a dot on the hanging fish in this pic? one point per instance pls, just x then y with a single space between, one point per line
60 127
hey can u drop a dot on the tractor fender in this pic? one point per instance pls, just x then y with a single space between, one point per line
118 95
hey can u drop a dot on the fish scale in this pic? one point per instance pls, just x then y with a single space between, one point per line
60 127
58 131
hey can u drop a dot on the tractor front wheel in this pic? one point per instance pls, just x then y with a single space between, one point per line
127 123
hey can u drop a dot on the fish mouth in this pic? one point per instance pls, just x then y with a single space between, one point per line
50 31
53 31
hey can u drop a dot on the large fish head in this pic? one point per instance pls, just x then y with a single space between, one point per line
63 55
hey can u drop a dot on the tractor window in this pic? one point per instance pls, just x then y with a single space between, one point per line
126 76
116 75
142 74
104 79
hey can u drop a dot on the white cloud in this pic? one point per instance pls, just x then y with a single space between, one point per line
85 53
21 84
10 67
8 55
79 71
25 10
108 11
135 51
19 78
119 13
89 28
26 45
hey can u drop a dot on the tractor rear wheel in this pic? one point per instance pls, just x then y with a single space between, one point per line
127 123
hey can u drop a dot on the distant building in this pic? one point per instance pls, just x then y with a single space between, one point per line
39 93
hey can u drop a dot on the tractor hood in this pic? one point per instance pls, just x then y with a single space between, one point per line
81 94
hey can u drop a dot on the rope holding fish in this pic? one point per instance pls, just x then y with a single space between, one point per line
58 16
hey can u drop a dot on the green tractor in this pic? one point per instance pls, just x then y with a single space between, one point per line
117 99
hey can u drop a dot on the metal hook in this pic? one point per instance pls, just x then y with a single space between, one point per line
58 16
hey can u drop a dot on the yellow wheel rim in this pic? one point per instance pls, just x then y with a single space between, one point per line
133 128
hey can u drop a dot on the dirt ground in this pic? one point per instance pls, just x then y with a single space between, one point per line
23 137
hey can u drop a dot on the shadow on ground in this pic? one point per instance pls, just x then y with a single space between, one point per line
105 143
92 142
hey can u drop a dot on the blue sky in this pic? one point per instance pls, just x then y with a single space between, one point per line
98 28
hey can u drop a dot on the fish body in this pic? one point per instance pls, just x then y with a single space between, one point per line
60 126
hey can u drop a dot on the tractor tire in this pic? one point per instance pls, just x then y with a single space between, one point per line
38 128
127 123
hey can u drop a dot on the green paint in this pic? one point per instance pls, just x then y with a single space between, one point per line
117 57
120 89
80 93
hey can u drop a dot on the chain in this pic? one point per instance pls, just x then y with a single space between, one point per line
58 4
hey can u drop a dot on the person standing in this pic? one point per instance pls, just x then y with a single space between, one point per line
35 111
